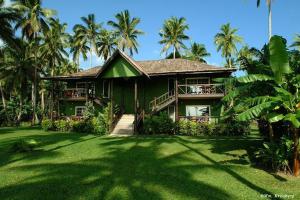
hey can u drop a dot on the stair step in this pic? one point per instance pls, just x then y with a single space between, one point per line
124 126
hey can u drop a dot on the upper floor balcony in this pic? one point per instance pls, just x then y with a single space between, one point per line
76 94
196 91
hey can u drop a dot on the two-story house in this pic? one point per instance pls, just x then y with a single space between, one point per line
183 88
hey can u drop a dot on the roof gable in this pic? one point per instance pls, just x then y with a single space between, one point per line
120 65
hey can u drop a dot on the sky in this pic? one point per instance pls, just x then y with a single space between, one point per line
204 17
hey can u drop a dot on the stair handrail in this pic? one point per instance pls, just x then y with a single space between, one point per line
161 99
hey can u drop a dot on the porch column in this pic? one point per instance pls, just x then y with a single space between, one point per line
135 106
111 104
176 100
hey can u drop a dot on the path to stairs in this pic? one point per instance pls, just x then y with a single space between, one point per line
124 126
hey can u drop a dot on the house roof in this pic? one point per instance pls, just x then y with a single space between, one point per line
178 66
151 67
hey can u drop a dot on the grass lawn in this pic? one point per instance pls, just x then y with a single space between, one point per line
75 166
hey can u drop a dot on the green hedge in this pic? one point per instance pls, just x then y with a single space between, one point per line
228 128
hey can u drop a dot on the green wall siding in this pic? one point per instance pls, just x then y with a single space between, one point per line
67 108
120 68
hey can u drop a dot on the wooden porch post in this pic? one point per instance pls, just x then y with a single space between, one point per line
135 106
176 100
111 104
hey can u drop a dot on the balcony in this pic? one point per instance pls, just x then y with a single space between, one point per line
201 91
75 94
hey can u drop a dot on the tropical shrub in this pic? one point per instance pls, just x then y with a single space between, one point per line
48 125
24 145
231 128
62 125
159 124
276 155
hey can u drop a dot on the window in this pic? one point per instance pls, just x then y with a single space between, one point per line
197 111
79 111
106 89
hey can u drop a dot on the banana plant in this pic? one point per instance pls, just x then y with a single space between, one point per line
282 102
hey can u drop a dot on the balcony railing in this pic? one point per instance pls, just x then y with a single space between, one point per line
201 119
75 93
194 90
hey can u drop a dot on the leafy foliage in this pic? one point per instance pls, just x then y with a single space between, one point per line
159 124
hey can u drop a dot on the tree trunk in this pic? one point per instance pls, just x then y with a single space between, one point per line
271 133
174 53
91 51
270 19
78 64
296 163
3 101
21 110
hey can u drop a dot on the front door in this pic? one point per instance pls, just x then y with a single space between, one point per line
171 84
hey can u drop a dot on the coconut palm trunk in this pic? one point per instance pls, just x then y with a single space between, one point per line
174 52
3 100
270 19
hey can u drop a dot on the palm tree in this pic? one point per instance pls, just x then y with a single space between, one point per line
17 69
125 29
226 41
173 34
53 47
296 42
106 43
88 33
32 23
197 52
78 47
269 4
7 17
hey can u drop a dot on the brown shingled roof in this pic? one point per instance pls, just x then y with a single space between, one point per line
171 66
152 67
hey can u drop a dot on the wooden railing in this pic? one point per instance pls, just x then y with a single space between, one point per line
201 119
161 99
140 116
77 93
201 89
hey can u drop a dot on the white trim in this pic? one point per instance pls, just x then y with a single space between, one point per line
76 107
208 78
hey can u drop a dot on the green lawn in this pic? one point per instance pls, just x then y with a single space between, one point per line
75 166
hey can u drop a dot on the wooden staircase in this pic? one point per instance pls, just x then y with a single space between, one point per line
162 101
125 125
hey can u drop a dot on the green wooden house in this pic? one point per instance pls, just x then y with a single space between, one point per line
180 87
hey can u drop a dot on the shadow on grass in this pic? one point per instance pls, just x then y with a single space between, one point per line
232 173
128 170
8 157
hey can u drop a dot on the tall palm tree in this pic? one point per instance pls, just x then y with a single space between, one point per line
226 41
33 22
88 33
269 4
197 52
106 43
125 29
79 47
7 17
17 69
173 34
53 45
